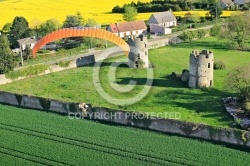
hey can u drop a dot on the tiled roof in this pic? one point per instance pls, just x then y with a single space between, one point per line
128 26
162 17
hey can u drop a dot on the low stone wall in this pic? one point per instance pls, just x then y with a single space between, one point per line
39 103
201 131
79 62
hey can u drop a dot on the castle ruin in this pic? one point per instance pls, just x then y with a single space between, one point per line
138 55
201 69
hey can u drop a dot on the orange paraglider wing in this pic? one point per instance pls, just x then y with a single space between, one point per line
77 32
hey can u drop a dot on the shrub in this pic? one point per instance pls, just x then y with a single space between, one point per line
215 30
194 34
246 106
245 7
63 63
203 19
219 65
28 71
201 33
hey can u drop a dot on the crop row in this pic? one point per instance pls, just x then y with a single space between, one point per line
112 141
109 149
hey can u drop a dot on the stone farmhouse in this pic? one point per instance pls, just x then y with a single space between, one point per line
161 22
128 29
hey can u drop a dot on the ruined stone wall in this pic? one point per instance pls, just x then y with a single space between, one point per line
205 69
193 69
138 55
201 69
188 129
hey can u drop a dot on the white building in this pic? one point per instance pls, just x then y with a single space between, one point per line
29 42
161 22
128 29
224 4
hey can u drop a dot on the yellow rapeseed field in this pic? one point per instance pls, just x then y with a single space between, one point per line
46 9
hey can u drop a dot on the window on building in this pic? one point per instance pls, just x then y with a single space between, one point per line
209 65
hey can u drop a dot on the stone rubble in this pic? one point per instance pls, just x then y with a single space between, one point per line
237 113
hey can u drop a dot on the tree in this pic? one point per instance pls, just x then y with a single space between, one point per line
237 29
215 11
130 13
91 23
187 36
89 40
7 27
6 55
19 26
176 8
80 18
35 23
19 29
27 53
74 21
195 18
185 6
49 26
238 80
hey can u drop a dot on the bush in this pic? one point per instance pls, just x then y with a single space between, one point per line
245 7
246 106
215 30
63 63
28 71
203 19
201 33
219 65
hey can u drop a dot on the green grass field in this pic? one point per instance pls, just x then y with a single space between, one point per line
195 105
30 137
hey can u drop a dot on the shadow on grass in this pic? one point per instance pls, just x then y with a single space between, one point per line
161 82
108 64
203 101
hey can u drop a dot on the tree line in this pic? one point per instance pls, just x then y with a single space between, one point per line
165 5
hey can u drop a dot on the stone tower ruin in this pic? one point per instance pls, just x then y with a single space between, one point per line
138 55
201 69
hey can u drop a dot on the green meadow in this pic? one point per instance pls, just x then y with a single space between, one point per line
166 95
